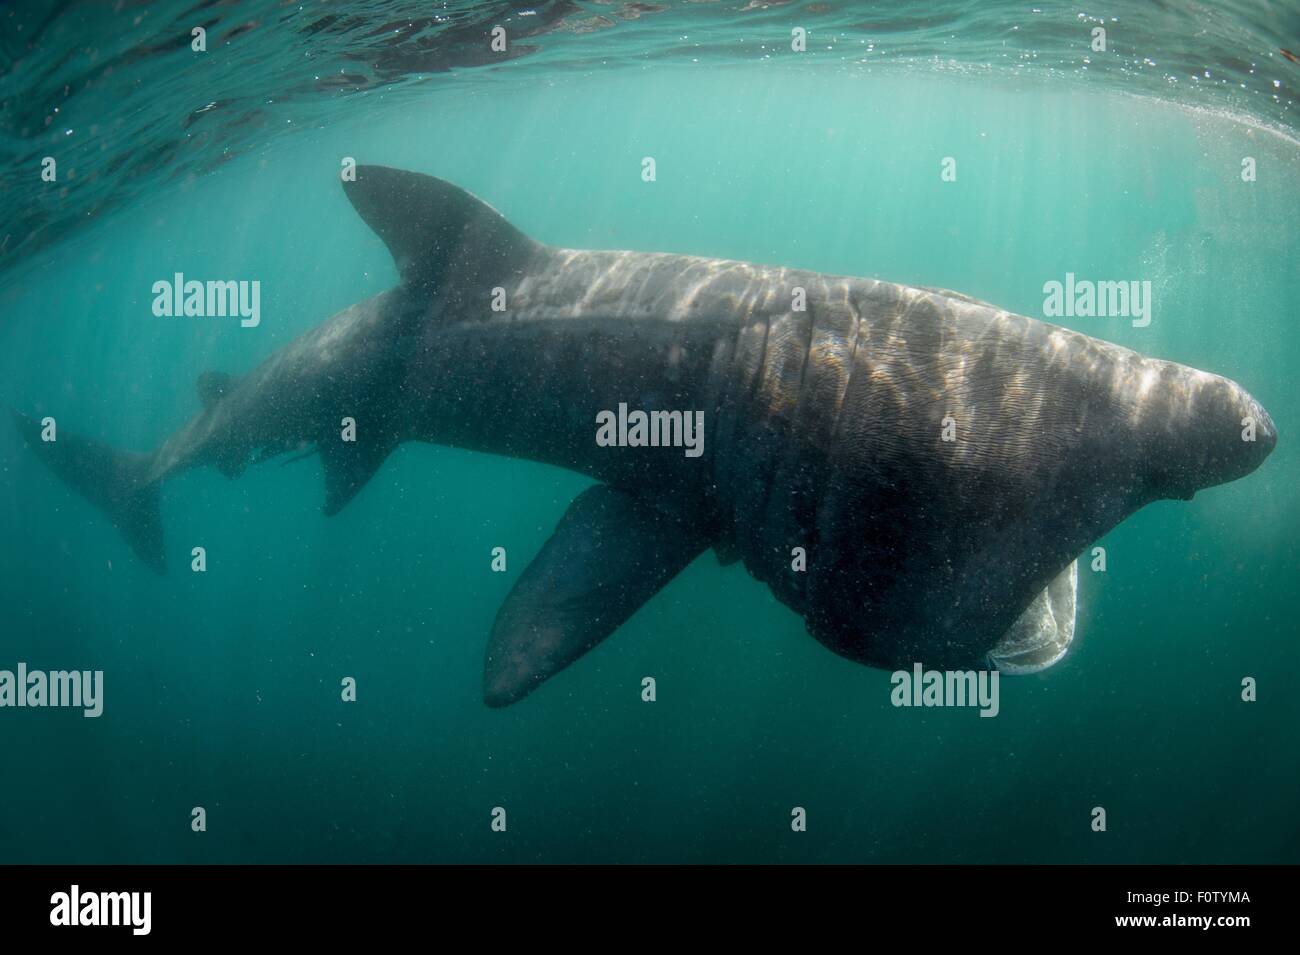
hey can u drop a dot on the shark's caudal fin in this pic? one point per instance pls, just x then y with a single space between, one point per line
431 226
116 481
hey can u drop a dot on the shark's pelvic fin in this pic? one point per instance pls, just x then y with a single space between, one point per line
300 456
430 226
348 466
610 554
116 481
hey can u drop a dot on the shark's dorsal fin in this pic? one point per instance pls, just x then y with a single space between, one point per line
214 385
430 226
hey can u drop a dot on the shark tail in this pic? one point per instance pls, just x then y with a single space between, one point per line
118 482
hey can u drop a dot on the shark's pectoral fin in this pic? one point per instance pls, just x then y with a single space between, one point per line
727 551
348 466
431 226
610 554
1042 634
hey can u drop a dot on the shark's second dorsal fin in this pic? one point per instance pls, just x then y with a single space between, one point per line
213 386
430 226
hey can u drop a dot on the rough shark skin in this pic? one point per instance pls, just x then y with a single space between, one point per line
823 430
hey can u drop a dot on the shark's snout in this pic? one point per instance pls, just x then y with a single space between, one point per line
1224 435
1239 433
1266 431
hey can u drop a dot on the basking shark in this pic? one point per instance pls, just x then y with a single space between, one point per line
911 470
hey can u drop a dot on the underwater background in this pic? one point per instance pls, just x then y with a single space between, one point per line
222 689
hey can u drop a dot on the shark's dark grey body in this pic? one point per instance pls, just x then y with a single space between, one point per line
826 404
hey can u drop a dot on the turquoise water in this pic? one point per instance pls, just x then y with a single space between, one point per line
222 689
